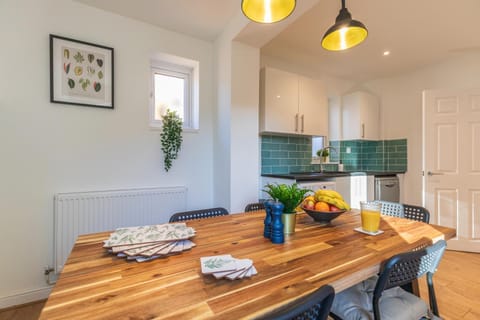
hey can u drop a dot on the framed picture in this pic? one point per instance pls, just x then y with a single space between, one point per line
81 73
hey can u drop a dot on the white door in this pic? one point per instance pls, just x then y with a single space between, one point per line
451 163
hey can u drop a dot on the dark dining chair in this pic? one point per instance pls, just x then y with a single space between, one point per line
416 213
254 207
198 214
314 306
358 301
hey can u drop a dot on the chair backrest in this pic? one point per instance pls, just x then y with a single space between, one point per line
314 306
392 209
198 214
405 267
435 253
431 261
254 206
416 213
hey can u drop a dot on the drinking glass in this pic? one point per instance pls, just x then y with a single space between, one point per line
370 214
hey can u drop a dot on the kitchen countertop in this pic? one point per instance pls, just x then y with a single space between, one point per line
305 176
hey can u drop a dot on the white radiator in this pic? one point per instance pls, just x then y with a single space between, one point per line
89 212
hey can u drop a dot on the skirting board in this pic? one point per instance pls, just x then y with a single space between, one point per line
26 297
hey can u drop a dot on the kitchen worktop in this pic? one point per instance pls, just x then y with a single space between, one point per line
305 176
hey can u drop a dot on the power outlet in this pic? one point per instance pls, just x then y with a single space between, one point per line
348 150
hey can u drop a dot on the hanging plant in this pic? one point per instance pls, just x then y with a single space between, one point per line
171 137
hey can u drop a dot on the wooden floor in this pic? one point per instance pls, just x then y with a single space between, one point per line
29 311
457 285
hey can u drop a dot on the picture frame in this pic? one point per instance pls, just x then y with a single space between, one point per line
81 73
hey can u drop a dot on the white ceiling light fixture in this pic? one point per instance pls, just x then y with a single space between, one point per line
345 33
267 11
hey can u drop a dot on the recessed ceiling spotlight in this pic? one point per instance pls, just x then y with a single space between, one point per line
386 53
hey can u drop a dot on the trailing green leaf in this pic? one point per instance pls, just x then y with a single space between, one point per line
171 137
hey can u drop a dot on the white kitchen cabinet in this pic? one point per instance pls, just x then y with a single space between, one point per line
335 118
360 116
292 104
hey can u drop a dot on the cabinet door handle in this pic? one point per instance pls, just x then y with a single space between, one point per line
363 130
296 122
430 173
303 122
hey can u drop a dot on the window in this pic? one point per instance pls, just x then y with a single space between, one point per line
174 87
317 144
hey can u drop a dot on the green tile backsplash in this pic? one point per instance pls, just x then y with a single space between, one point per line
284 154
384 155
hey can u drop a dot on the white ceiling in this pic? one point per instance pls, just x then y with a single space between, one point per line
416 32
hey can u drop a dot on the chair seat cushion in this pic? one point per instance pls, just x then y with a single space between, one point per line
355 303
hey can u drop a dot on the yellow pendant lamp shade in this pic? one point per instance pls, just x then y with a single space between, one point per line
267 11
345 33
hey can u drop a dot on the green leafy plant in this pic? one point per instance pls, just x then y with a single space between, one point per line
289 195
323 153
171 137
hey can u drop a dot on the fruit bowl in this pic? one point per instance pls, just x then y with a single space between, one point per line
323 216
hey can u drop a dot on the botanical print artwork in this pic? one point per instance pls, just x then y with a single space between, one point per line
83 73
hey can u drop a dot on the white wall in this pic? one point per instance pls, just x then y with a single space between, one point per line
48 148
244 126
223 66
401 107
236 158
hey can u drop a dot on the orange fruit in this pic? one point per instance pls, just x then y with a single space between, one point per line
322 206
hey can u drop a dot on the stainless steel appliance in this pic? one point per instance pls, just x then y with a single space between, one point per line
387 188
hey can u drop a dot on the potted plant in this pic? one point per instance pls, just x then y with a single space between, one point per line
323 153
171 137
290 196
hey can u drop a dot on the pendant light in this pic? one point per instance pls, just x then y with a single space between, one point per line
267 11
345 33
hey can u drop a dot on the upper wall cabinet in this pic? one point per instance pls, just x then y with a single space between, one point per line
360 116
293 104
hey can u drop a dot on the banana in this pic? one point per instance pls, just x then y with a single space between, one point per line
339 203
328 193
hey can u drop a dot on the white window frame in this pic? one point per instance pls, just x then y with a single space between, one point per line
188 71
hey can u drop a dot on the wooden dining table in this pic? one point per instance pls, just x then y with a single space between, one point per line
95 284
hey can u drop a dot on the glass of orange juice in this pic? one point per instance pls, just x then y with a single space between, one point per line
370 214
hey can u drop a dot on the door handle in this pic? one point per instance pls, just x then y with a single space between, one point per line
390 185
430 173
296 122
363 130
303 122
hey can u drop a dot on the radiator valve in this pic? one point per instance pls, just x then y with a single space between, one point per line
48 272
